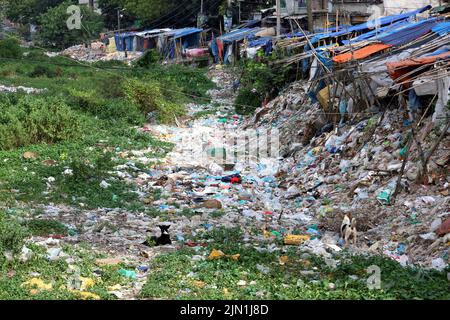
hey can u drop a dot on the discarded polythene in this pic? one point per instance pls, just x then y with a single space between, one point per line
234 178
128 273
292 239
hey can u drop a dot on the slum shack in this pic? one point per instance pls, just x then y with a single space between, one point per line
226 48
399 59
148 39
173 44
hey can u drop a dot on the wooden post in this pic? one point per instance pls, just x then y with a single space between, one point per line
310 16
239 12
278 18
337 19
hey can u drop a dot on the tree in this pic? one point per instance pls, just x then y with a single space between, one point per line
156 13
28 11
53 30
109 12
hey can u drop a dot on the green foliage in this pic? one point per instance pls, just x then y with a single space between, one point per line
54 32
10 48
258 82
102 114
121 110
150 98
43 227
43 71
86 100
247 101
177 271
111 87
150 9
36 120
28 11
192 82
36 55
57 273
149 59
12 235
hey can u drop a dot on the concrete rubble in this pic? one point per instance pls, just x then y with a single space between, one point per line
27 90
95 53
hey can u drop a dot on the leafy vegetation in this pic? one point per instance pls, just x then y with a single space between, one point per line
259 81
12 236
9 48
42 227
53 30
79 125
57 276
304 276
31 120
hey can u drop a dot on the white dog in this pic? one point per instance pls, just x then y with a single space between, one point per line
348 229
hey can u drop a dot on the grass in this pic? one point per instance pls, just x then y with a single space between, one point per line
90 167
96 96
43 227
179 276
59 274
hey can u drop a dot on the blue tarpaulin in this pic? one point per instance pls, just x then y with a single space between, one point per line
408 33
230 38
124 40
239 34
441 50
374 34
263 41
371 24
180 33
442 28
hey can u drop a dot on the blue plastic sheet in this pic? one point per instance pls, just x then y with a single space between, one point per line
263 41
180 33
240 34
414 101
374 34
409 33
442 28
370 24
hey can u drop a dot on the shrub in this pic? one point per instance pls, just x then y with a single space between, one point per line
149 97
111 87
12 236
110 64
43 71
149 59
86 100
10 48
36 120
186 80
121 110
53 29
107 108
36 55
247 101
42 227
258 81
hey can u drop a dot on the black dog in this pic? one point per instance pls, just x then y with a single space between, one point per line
162 240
